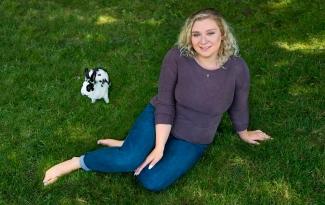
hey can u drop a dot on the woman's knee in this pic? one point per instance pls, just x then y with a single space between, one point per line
153 184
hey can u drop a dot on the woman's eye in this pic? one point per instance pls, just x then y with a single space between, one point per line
195 34
211 33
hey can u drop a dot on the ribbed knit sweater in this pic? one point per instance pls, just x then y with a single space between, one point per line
193 99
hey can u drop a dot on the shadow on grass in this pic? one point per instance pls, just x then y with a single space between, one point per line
49 43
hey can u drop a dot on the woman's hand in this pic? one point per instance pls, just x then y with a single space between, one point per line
151 159
253 137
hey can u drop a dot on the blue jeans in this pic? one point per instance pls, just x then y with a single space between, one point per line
179 155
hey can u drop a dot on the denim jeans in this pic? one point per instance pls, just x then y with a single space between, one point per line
179 155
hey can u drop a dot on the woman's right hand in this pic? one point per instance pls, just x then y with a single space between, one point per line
152 159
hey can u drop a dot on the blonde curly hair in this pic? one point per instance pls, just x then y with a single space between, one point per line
228 46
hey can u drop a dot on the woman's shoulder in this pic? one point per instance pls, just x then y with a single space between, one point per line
174 51
237 59
237 63
173 54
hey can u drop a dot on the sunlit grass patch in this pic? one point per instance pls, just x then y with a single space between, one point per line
45 45
279 4
316 45
105 19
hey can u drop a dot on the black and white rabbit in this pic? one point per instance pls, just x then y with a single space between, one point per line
96 84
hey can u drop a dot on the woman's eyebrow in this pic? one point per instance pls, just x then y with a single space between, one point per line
212 29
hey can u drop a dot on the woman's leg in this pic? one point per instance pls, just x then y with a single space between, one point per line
73 164
61 169
137 145
179 157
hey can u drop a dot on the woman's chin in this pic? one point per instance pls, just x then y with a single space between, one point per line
205 54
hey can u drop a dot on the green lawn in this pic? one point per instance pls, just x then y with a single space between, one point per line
45 45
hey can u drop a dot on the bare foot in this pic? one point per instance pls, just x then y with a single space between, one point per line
61 169
111 142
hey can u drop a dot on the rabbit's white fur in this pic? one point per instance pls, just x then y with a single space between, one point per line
96 84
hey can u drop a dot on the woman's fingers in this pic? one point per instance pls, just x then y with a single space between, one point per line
259 135
153 163
256 136
250 141
253 142
152 159
143 165
139 169
267 137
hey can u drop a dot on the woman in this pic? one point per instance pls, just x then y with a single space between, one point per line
200 79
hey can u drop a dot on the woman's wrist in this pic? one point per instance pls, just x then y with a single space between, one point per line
242 134
162 134
160 147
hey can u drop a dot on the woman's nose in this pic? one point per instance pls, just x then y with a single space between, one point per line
203 40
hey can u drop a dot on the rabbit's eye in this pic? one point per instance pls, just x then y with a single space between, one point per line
99 75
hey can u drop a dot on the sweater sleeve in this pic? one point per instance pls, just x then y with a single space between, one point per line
238 111
165 104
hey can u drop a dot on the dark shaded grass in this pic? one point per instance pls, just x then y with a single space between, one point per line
45 45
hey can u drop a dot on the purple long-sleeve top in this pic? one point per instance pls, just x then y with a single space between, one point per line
193 99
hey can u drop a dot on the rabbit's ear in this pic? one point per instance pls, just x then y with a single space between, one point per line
93 75
87 73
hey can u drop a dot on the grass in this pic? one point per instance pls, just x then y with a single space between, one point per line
45 45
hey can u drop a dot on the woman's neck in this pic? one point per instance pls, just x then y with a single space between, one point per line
208 63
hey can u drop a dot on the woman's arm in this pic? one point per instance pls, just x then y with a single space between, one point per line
239 112
162 133
164 108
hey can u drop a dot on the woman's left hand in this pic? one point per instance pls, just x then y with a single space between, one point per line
253 137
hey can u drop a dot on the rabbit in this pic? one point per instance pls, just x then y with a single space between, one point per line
96 84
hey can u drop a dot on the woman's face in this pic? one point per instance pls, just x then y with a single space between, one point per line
206 38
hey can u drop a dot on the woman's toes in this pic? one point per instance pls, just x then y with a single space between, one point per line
49 181
104 141
48 178
110 142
